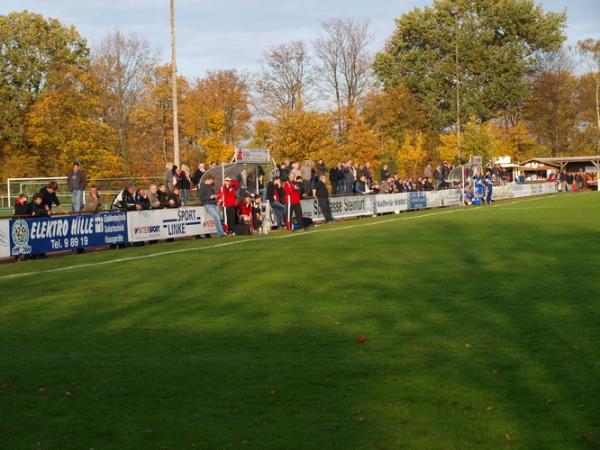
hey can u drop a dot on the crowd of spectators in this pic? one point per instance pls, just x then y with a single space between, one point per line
284 188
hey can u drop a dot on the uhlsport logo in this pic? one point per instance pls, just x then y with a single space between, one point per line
20 237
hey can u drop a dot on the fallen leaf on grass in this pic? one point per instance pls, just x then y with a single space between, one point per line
68 394
362 339
489 408
468 345
586 438
360 419
42 390
549 401
508 437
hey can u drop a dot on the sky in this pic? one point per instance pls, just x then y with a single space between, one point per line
213 35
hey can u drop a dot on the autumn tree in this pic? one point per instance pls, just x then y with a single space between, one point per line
33 50
299 134
552 108
492 42
589 52
65 125
152 122
286 78
411 156
122 63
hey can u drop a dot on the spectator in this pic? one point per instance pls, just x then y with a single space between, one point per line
22 206
49 197
228 196
284 171
93 202
261 186
349 177
198 174
336 178
174 199
184 183
125 200
142 202
321 168
385 174
207 194
428 171
367 173
169 174
569 179
296 172
38 209
360 186
322 195
293 192
306 173
258 213
439 177
244 210
153 196
276 196
163 196
76 181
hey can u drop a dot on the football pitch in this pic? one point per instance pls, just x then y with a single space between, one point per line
482 329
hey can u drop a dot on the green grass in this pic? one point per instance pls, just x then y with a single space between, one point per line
483 326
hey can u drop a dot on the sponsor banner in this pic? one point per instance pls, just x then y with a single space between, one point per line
252 155
387 203
4 238
451 197
417 200
54 234
169 223
346 206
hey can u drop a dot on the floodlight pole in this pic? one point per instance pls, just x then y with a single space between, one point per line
457 75
174 87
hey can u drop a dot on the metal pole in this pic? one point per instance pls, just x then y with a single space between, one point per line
174 87
456 62
462 175
223 195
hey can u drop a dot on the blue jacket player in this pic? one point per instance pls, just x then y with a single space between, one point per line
489 189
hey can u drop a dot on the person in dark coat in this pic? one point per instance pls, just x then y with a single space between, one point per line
163 196
142 201
125 200
174 199
49 197
322 195
276 198
22 206
38 209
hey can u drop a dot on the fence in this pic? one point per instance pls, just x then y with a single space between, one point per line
23 236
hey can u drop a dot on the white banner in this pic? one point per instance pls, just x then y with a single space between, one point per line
451 197
4 238
252 155
160 224
346 206
387 203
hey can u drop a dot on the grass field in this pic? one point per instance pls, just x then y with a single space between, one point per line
483 329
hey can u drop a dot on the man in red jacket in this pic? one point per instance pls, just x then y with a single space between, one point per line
227 195
293 193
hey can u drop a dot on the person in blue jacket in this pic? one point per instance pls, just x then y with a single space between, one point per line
489 189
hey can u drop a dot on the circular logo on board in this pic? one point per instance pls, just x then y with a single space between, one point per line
20 237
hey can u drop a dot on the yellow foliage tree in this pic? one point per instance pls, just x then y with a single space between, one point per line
299 134
411 156
65 125
214 148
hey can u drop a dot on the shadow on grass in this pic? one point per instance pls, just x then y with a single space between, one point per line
470 345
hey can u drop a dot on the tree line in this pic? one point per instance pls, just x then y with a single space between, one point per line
456 78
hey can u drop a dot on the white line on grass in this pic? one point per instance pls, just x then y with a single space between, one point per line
243 241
